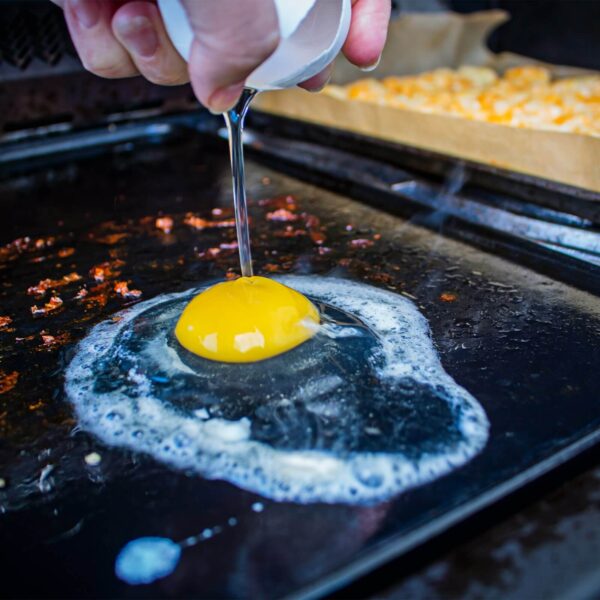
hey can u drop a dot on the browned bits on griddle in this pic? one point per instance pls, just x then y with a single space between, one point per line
281 215
41 243
52 342
122 289
8 381
209 253
95 297
200 223
381 278
289 232
228 246
106 270
448 297
45 284
315 229
361 243
318 237
14 249
110 239
65 252
51 306
27 338
165 224
35 405
221 212
272 268
5 322
285 202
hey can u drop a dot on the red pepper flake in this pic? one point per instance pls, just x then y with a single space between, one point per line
122 289
448 297
53 304
8 381
5 322
230 276
64 252
165 224
200 223
281 215
106 270
361 243
45 284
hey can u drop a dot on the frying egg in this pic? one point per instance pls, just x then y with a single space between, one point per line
246 320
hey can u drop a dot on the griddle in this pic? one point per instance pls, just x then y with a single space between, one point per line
515 322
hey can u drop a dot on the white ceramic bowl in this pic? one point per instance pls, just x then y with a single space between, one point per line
312 35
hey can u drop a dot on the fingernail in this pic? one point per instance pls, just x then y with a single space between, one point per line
87 12
225 98
322 86
371 67
138 35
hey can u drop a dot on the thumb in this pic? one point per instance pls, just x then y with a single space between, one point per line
231 39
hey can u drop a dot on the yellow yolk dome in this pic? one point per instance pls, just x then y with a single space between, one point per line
246 320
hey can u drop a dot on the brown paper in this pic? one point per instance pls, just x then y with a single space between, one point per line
422 42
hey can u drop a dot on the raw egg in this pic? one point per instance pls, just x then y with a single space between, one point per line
246 320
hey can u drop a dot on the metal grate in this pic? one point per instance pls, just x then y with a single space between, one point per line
33 31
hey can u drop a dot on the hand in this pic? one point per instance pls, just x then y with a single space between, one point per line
123 38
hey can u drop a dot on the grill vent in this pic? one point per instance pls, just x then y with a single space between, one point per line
34 31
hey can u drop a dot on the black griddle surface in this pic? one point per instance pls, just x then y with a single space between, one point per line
525 346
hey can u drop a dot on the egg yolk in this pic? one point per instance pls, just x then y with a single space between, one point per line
246 320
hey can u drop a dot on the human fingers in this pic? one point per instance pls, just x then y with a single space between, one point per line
139 27
229 43
89 23
318 81
368 32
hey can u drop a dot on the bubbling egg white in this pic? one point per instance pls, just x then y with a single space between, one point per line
306 426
